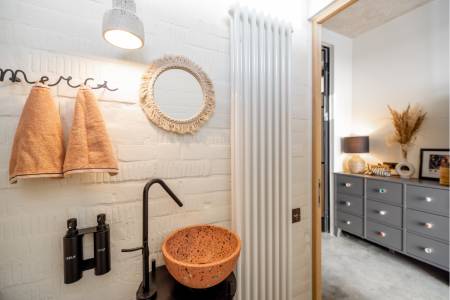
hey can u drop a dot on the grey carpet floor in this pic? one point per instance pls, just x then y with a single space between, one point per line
354 269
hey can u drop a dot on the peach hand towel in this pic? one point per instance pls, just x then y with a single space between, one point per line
89 148
38 147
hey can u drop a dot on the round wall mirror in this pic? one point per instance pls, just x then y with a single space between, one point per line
177 95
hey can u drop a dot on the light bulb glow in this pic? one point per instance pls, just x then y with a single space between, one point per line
123 39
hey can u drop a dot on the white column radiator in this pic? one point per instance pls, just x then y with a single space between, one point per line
261 153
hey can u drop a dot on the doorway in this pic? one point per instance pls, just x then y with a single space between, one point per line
317 145
356 111
326 170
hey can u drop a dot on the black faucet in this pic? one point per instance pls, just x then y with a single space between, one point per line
146 290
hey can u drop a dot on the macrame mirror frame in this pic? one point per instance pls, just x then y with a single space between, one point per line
151 107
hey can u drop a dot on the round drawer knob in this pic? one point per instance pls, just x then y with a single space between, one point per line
348 184
382 212
428 199
382 234
429 225
428 250
382 191
348 203
348 222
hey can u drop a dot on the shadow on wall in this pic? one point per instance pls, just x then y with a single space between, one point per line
433 134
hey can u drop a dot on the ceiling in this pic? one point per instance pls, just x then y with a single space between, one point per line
365 15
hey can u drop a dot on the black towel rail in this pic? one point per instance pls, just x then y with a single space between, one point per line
44 79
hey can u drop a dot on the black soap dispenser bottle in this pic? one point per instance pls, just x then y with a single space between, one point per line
102 254
73 252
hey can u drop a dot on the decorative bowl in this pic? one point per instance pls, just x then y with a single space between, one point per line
201 256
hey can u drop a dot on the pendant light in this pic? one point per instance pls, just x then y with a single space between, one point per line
121 27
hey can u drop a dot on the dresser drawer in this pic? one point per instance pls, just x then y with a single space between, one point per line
427 249
350 223
350 204
385 235
427 199
425 223
349 185
389 192
384 213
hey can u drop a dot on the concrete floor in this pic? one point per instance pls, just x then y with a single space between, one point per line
354 269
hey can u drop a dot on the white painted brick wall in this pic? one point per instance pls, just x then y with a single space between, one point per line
64 38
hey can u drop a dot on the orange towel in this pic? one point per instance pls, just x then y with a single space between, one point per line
89 148
38 147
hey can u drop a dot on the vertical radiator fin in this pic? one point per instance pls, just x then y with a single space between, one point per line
261 153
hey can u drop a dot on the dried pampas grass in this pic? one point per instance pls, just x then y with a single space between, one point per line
406 126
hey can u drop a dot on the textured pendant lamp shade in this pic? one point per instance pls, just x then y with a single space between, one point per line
356 144
121 26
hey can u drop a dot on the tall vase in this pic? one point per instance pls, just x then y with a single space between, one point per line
404 148
404 168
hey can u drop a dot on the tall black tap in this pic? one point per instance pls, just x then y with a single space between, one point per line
146 290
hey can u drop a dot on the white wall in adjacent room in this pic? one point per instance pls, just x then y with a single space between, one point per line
340 117
403 61
340 92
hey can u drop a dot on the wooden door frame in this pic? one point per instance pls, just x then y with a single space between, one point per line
317 194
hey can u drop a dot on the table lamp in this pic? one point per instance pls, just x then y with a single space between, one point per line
355 145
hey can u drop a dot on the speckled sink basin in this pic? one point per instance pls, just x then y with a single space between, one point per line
201 256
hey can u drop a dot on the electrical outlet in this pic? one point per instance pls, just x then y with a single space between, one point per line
296 215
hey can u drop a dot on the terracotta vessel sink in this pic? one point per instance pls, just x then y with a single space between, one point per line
201 256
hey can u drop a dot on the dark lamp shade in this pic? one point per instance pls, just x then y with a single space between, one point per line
355 144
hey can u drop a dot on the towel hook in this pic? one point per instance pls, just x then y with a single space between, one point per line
104 85
16 79
87 80
68 79
44 79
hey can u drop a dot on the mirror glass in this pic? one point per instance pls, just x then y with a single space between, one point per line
178 94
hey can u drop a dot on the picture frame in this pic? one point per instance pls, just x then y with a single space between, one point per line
430 162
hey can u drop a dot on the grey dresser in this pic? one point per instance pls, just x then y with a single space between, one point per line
408 216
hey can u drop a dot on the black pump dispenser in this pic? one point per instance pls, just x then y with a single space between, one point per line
74 264
73 252
102 255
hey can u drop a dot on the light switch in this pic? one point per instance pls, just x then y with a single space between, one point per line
296 215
